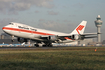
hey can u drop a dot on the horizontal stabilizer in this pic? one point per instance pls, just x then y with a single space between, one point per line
89 34
91 37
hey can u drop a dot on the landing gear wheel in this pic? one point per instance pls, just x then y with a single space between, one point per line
36 45
48 45
12 40
44 46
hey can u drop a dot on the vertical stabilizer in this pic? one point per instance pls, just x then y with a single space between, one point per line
80 28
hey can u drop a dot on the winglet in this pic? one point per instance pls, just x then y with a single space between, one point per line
80 28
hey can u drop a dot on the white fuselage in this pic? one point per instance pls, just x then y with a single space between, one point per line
42 35
25 31
46 36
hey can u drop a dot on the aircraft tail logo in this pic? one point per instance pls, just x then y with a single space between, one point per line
80 27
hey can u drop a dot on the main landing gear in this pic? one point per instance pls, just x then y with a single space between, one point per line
12 40
37 45
48 45
44 45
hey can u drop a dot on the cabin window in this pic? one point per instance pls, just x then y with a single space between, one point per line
11 23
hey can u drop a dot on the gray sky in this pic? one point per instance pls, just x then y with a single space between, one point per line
57 15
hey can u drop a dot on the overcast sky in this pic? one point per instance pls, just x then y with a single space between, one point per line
57 15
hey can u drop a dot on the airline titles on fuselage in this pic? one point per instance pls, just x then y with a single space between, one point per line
27 28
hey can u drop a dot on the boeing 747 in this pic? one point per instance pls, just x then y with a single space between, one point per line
24 32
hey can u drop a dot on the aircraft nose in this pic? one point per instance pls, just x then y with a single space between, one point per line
3 28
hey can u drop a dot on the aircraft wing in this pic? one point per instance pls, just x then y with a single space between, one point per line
89 34
78 36
69 37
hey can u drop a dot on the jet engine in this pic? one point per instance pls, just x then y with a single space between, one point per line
76 37
22 40
52 38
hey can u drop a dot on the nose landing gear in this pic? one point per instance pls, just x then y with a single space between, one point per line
12 40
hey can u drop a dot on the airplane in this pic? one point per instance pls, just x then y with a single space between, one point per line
24 32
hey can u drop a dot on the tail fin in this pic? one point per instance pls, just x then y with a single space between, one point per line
80 28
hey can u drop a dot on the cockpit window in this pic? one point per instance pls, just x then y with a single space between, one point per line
11 23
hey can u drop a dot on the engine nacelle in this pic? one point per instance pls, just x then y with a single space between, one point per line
52 38
76 37
22 40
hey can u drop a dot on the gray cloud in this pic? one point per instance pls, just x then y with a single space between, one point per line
78 5
36 11
52 13
41 20
72 15
66 21
8 6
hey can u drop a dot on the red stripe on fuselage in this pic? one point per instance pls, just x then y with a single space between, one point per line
27 31
68 38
